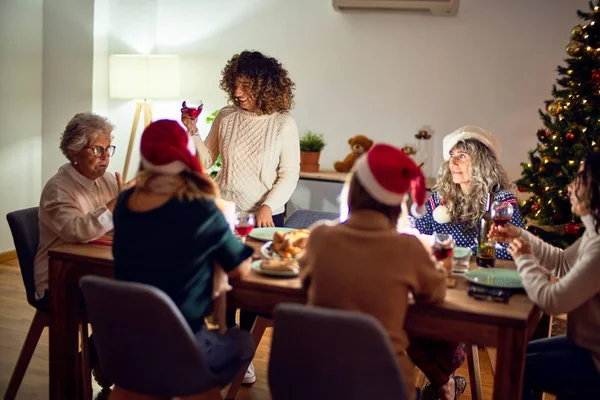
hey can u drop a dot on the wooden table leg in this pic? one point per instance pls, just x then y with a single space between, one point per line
64 298
508 383
260 325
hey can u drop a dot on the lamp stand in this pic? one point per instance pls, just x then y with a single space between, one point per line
140 107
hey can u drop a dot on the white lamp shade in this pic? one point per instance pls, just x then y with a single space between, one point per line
144 77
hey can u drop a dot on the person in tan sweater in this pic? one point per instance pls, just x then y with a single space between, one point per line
566 365
364 264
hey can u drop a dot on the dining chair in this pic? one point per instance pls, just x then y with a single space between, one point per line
144 344
24 226
25 229
314 355
303 219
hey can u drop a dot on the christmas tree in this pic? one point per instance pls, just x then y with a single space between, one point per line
571 127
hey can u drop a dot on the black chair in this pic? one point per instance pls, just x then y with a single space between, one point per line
356 360
24 226
145 345
303 219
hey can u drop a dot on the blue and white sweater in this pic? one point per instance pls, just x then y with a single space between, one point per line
463 236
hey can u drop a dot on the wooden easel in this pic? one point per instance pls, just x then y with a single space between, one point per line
146 107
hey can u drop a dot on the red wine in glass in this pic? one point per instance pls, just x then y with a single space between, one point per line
244 223
502 220
501 212
441 253
243 229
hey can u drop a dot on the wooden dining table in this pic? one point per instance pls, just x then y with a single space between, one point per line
460 318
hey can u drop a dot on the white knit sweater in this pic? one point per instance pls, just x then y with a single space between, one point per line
578 290
261 157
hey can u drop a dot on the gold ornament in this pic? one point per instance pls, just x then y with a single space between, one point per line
577 32
555 108
573 48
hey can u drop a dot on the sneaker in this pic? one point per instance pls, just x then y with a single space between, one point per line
250 376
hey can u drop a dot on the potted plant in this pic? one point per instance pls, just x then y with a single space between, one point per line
216 168
311 145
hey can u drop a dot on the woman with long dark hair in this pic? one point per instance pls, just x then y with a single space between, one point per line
566 365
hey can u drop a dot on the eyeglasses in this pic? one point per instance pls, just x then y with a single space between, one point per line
497 295
98 151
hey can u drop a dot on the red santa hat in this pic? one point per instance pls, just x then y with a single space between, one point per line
388 174
167 149
470 132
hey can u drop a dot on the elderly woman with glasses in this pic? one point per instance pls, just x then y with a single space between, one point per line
77 202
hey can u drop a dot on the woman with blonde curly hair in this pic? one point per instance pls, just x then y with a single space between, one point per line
256 137
471 170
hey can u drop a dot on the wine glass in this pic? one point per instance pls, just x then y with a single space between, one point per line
244 223
501 213
443 247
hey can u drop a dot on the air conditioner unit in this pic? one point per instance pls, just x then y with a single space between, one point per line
436 7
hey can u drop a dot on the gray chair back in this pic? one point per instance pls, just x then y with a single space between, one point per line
320 354
144 344
25 228
303 219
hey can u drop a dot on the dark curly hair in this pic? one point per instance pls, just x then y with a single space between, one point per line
271 86
590 177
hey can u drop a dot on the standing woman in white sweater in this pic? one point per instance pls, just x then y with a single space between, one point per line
567 365
256 137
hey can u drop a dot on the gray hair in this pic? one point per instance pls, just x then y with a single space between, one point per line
82 129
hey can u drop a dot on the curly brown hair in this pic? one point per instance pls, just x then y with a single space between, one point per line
270 84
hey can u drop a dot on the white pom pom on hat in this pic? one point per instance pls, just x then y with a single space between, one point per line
388 174
470 132
441 215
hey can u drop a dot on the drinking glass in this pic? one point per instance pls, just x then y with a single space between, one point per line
443 246
244 223
460 259
501 212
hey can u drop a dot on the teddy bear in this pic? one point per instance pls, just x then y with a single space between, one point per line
359 144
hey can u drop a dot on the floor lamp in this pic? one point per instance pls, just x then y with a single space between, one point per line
147 77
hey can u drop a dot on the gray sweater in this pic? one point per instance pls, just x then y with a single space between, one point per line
578 290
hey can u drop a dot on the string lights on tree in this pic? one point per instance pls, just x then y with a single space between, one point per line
571 125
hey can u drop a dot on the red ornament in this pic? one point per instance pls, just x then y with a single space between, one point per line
596 76
570 136
521 189
535 207
572 228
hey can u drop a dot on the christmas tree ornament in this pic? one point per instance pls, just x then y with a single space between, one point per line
441 215
574 48
535 207
572 228
555 108
577 32
521 189
596 76
570 136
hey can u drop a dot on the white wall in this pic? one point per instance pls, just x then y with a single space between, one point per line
382 74
67 73
20 108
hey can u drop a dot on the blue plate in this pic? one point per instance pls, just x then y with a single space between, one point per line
495 277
